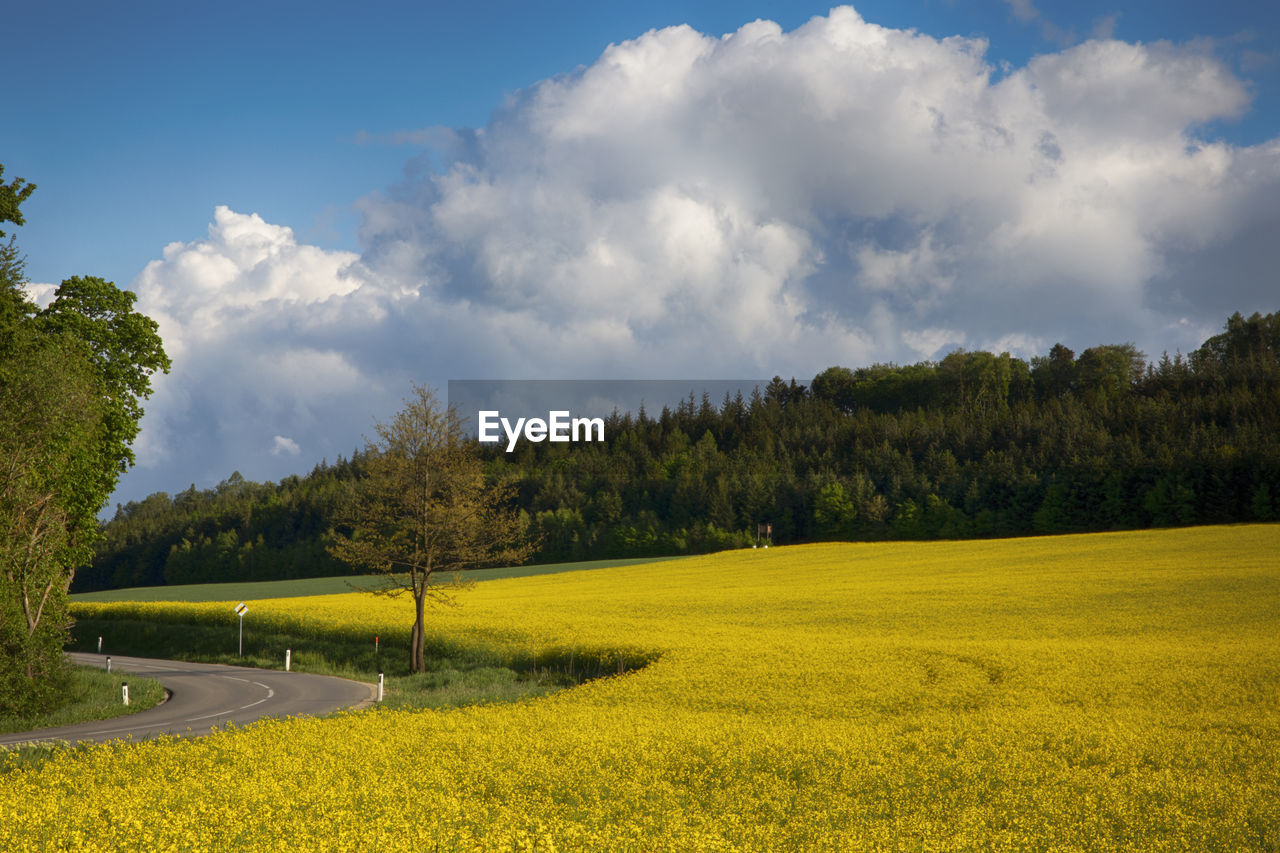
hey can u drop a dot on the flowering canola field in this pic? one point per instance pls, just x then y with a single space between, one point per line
1102 692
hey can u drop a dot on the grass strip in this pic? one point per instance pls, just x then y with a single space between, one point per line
91 694
299 587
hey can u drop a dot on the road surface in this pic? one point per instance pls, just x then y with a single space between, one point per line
206 696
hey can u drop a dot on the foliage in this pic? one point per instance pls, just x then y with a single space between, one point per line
71 380
49 418
1109 692
237 531
423 508
125 350
12 195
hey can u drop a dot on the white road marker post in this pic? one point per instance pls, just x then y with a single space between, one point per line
288 657
124 686
108 663
379 687
99 645
241 610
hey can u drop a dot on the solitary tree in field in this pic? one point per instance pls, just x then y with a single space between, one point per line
423 507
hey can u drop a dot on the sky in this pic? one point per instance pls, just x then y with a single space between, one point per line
321 204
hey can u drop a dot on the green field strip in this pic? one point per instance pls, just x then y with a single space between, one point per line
257 590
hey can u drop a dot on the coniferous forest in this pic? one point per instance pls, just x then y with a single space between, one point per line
974 445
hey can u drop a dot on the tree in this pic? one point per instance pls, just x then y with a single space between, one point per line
125 350
1054 375
833 511
14 304
49 416
423 508
71 380
1109 371
836 385
12 195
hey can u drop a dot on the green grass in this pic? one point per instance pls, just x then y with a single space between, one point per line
92 694
444 685
324 586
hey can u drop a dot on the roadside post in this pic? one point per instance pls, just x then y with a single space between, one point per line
379 687
108 663
124 687
99 645
288 657
241 610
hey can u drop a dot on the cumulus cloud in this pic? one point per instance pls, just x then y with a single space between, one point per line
756 203
262 333
837 193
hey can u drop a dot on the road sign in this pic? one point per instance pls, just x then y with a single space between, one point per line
241 610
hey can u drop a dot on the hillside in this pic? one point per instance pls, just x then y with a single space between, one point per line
976 445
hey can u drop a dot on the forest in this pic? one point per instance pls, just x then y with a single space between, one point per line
973 445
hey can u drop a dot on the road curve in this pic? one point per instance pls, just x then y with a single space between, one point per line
206 696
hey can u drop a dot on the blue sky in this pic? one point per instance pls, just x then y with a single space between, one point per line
317 226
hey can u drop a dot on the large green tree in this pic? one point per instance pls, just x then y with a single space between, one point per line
72 378
50 417
424 507
124 349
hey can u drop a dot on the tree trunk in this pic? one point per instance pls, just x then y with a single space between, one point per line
418 639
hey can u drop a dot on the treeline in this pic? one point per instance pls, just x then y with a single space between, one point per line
238 531
976 444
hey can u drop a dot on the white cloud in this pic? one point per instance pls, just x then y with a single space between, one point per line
40 293
933 343
753 199
758 203
265 338
281 444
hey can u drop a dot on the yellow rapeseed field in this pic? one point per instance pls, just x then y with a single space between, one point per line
1102 692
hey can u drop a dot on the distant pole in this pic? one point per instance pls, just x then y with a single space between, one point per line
379 687
288 655
108 663
99 645
125 688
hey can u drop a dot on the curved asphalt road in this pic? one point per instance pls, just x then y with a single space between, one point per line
205 696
